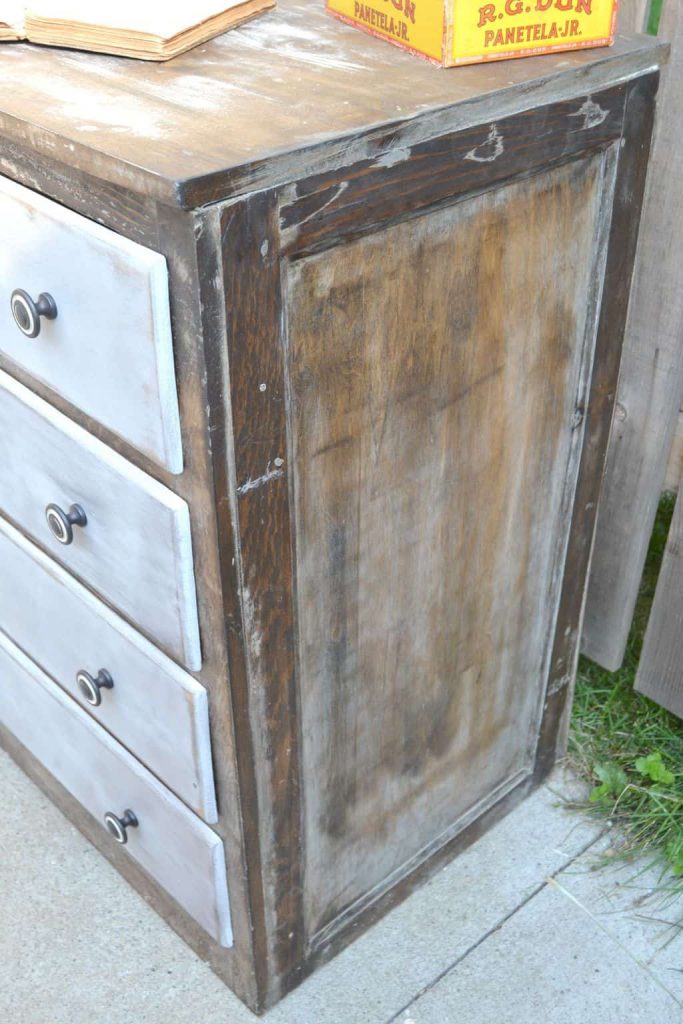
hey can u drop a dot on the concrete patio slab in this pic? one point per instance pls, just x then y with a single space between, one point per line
78 945
628 902
549 964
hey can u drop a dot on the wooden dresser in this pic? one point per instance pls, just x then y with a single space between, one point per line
307 362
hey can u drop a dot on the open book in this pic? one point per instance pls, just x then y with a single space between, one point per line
147 29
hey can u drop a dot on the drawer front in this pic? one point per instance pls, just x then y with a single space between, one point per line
109 350
136 548
154 708
177 849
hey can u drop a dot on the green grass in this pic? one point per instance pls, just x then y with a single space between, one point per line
654 14
629 747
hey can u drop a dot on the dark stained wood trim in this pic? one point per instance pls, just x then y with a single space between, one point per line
628 197
218 393
325 209
204 258
148 170
261 621
279 167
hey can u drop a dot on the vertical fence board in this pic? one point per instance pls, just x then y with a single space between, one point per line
660 672
651 382
631 15
674 472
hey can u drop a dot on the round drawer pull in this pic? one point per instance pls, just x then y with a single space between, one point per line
61 523
27 313
91 686
118 827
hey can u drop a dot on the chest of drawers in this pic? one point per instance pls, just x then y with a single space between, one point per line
307 364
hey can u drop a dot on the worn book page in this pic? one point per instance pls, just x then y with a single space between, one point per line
160 18
155 30
11 20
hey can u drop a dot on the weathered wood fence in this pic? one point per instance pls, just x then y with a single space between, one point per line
648 407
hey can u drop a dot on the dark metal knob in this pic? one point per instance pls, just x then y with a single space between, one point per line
27 313
118 827
91 686
61 523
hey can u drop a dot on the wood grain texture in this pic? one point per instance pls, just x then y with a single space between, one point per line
427 580
136 549
629 187
249 234
327 208
227 526
109 350
192 246
154 709
144 141
177 849
289 95
651 382
262 620
660 670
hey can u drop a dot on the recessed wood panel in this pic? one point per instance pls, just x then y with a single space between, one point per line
436 374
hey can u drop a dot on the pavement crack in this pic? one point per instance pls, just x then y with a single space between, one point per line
495 928
610 935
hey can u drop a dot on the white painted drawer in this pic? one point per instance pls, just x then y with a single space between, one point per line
109 350
155 709
136 548
182 853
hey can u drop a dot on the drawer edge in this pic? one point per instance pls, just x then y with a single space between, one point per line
222 932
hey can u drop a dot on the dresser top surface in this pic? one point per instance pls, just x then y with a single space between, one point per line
284 95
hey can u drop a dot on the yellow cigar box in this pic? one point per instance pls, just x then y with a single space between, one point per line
451 32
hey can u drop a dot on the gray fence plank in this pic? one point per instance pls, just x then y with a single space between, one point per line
674 470
651 382
631 15
660 672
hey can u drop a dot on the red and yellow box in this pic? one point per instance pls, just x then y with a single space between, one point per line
451 32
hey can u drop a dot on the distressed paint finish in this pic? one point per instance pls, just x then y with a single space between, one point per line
155 709
260 609
136 548
430 460
330 206
111 358
193 253
300 915
291 94
170 842
300 100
